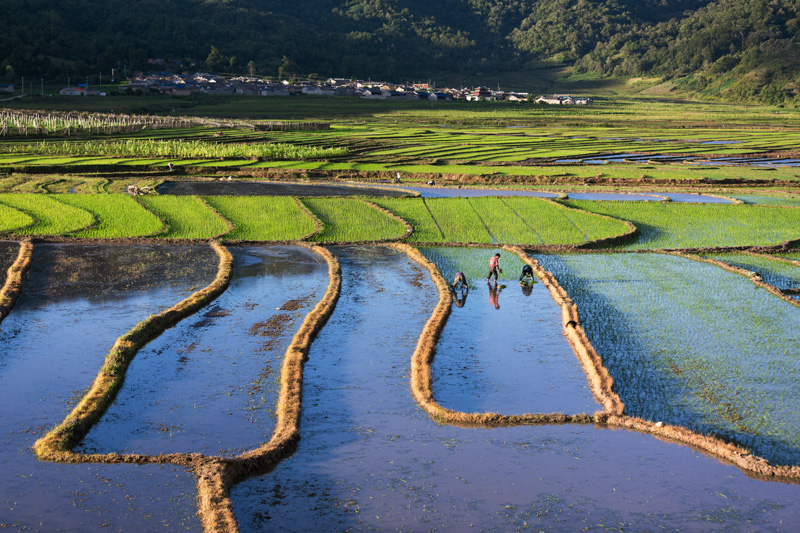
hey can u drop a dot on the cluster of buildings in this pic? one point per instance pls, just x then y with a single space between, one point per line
212 84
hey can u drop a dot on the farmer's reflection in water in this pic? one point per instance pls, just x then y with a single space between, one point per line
494 293
527 288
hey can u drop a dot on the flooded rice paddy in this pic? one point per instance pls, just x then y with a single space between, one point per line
77 300
503 349
370 458
210 384
691 344
781 274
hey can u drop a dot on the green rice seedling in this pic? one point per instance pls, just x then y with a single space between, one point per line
415 212
262 218
473 262
505 225
781 274
549 222
187 217
11 219
117 215
693 345
52 217
676 225
458 220
351 220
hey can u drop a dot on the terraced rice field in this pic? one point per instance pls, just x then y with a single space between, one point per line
672 225
257 218
186 217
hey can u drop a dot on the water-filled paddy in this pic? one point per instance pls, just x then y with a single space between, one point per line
210 384
503 349
77 300
369 458
260 188
693 345
781 274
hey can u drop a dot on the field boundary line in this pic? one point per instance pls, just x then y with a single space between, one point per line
754 277
426 350
502 201
31 224
231 226
217 477
622 238
13 284
441 232
57 444
600 379
485 226
318 225
409 227
164 225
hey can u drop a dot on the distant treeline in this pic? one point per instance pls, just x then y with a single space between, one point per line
738 49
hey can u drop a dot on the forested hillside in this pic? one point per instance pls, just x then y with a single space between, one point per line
738 49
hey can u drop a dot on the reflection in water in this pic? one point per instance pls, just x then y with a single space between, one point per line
51 346
189 392
460 295
494 294
527 287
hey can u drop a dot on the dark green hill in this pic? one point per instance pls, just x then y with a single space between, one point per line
737 49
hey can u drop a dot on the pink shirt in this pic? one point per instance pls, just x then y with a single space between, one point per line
493 262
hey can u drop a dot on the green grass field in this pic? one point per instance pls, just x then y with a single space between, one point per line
675 225
186 217
351 220
117 215
11 219
262 218
51 216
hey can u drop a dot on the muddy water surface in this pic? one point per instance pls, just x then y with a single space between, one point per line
76 301
260 188
503 349
8 254
369 459
210 384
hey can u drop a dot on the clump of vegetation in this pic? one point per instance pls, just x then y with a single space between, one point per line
174 148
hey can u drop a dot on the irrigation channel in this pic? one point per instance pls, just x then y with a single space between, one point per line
369 457
261 188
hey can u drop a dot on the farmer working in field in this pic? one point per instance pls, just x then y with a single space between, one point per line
527 275
462 281
494 266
